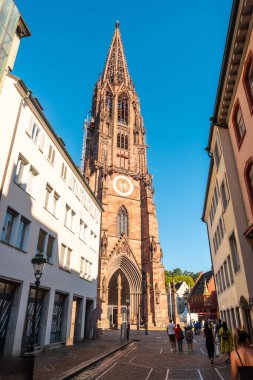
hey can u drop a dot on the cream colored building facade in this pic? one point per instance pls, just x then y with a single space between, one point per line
227 209
226 220
46 206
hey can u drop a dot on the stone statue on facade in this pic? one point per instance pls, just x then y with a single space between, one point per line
153 248
104 244
157 293
104 289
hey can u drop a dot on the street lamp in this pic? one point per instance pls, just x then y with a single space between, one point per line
38 265
128 324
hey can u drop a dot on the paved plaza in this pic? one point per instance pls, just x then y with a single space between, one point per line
151 359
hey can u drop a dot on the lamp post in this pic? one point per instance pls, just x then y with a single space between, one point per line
128 324
38 265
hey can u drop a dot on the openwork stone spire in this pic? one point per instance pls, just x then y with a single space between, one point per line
115 70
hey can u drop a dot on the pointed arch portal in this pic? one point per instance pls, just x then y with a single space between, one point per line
131 281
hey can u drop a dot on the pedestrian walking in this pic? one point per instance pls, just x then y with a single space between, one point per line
179 337
241 357
218 327
226 341
208 334
189 338
172 337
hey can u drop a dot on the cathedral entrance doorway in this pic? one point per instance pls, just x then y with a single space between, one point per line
117 298
124 292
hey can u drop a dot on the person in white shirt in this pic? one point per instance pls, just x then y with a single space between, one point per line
172 337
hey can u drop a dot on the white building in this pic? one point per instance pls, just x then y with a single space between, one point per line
181 289
45 206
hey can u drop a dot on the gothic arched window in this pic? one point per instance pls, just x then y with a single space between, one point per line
126 142
123 109
118 140
122 221
122 141
108 103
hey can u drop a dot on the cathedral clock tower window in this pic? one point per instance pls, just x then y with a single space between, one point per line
122 221
123 109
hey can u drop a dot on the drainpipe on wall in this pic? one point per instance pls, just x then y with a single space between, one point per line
22 102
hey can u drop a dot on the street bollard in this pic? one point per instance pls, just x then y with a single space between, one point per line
146 329
123 331
128 331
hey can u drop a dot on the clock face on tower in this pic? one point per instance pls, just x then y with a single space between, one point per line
123 185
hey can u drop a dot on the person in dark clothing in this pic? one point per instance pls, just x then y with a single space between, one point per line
241 357
208 334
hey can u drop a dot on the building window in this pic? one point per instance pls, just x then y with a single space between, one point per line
45 245
67 213
22 235
51 200
9 225
226 274
122 221
65 257
217 153
20 172
93 238
248 175
230 270
50 248
82 231
248 80
220 282
82 273
64 171
234 253
41 241
122 141
217 283
51 154
238 123
9 16
224 193
49 190
25 176
223 278
123 109
31 181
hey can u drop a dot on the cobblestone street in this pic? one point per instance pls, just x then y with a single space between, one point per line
151 359
147 357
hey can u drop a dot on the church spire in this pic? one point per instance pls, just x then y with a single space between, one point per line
115 70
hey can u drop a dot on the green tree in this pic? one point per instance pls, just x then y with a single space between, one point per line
177 275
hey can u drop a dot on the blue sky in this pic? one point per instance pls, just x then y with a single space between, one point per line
174 51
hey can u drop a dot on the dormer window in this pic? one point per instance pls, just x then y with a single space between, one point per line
238 123
248 80
123 109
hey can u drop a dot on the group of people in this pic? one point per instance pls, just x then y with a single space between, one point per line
235 347
176 334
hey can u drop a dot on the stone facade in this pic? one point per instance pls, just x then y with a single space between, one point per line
115 165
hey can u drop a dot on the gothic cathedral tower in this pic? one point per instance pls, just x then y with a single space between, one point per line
131 276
